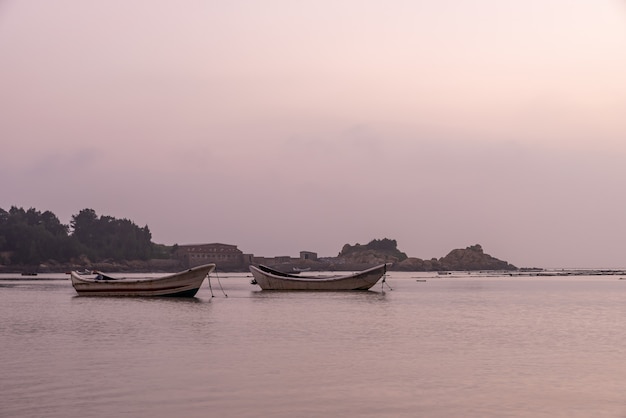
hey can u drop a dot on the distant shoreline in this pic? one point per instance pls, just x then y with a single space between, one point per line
36 273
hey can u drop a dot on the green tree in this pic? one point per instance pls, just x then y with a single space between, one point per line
32 237
106 237
84 227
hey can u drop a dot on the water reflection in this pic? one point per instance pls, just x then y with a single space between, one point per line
468 347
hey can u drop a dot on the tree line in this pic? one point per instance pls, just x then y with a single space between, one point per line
33 237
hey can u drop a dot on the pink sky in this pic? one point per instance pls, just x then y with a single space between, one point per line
282 126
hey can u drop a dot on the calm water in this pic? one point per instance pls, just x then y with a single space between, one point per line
448 347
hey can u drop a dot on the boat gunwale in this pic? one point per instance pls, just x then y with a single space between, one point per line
134 280
186 282
336 278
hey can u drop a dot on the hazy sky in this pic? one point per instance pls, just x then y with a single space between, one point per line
281 125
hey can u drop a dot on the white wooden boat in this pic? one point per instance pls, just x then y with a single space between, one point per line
183 284
269 279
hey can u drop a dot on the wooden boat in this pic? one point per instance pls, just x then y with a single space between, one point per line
269 279
183 284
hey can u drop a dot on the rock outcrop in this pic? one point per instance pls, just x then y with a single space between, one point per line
473 258
355 257
469 259
417 264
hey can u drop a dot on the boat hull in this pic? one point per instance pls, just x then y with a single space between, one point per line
182 284
362 280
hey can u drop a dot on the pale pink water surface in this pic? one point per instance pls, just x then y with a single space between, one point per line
461 345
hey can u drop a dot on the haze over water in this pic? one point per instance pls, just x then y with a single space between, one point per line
461 345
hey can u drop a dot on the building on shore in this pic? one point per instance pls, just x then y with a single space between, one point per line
228 257
285 260
225 256
308 255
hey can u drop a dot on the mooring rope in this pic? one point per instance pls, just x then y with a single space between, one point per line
384 282
220 283
208 277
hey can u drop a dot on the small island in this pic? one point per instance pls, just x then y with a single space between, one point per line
358 257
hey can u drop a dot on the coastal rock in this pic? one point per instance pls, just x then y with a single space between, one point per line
417 264
384 251
472 258
375 252
369 257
